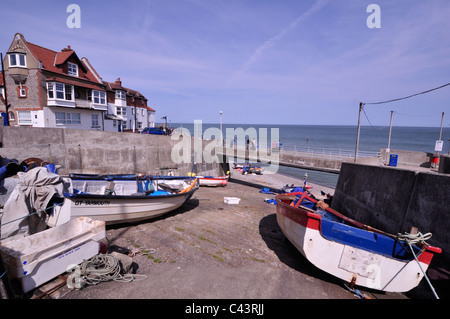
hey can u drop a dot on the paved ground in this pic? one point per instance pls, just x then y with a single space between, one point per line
212 250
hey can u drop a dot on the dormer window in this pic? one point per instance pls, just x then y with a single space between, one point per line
120 95
72 69
17 60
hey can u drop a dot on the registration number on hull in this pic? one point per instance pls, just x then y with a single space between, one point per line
360 262
92 202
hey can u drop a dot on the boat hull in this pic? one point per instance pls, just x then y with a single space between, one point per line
125 209
213 181
353 264
125 205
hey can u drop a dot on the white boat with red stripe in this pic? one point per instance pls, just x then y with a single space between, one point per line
349 250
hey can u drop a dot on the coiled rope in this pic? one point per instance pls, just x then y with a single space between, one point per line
105 267
412 239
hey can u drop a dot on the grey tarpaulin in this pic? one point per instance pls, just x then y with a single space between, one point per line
32 194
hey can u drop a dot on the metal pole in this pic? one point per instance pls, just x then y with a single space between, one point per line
440 134
388 150
4 90
359 130
442 121
221 133
135 113
390 132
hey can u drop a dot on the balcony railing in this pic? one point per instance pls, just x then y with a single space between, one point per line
86 104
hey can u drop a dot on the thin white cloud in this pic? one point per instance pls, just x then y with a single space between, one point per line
273 40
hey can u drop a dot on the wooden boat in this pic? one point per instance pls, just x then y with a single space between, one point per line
213 181
248 169
203 180
349 250
122 199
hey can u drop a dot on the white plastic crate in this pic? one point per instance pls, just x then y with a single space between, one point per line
37 258
232 200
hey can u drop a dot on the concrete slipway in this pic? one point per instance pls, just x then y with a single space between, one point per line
212 250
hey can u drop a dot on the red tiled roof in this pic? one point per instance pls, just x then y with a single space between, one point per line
52 61
61 57
118 86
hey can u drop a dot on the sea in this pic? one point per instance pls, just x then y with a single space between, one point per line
334 140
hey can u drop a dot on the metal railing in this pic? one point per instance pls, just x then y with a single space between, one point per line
327 152
335 153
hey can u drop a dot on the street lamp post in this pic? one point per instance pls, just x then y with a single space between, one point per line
221 133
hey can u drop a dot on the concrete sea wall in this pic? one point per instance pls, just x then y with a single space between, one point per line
81 151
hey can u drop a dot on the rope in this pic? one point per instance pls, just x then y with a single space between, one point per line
105 267
412 239
410 96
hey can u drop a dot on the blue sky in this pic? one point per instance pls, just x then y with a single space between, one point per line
258 61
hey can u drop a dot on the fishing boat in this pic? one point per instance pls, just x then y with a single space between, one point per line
203 180
356 253
121 199
213 181
248 169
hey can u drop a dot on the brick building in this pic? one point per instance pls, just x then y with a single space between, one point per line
46 88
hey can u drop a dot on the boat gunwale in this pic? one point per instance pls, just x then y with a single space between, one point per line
111 196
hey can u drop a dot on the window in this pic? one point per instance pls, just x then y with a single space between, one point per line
72 69
99 97
50 93
120 95
22 60
22 92
17 60
59 91
24 117
94 118
63 118
76 118
121 111
68 92
124 125
60 118
12 60
139 125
